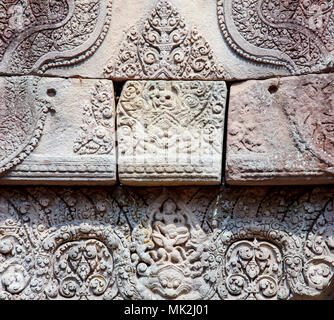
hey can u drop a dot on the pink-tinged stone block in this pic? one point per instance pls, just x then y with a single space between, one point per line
281 131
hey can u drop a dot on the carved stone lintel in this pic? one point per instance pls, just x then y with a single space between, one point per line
39 35
175 243
280 131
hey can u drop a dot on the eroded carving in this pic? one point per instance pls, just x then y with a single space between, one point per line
311 115
164 47
162 125
97 130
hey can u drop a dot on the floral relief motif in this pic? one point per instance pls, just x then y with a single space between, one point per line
97 131
83 269
164 48
38 35
254 269
130 243
296 35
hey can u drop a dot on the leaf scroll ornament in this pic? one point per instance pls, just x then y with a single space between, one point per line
22 117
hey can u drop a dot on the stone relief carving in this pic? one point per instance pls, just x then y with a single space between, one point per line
97 130
311 116
296 35
162 125
253 270
280 131
193 243
63 145
22 117
168 254
164 47
39 35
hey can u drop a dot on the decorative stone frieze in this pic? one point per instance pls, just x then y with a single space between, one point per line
55 130
281 131
175 243
171 132
140 39
162 46
95 93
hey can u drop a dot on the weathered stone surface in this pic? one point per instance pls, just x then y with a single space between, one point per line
172 40
62 129
296 35
39 35
163 46
175 39
121 39
281 131
171 243
171 132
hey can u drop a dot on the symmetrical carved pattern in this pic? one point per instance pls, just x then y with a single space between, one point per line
163 124
97 131
22 116
194 243
169 254
253 269
38 35
297 35
164 48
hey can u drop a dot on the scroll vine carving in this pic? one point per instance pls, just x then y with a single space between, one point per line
164 48
253 269
296 35
199 243
39 35
22 116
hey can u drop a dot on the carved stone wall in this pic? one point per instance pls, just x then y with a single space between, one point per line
166 149
172 243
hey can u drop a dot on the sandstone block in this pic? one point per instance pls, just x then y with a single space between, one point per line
175 39
55 130
281 131
171 132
